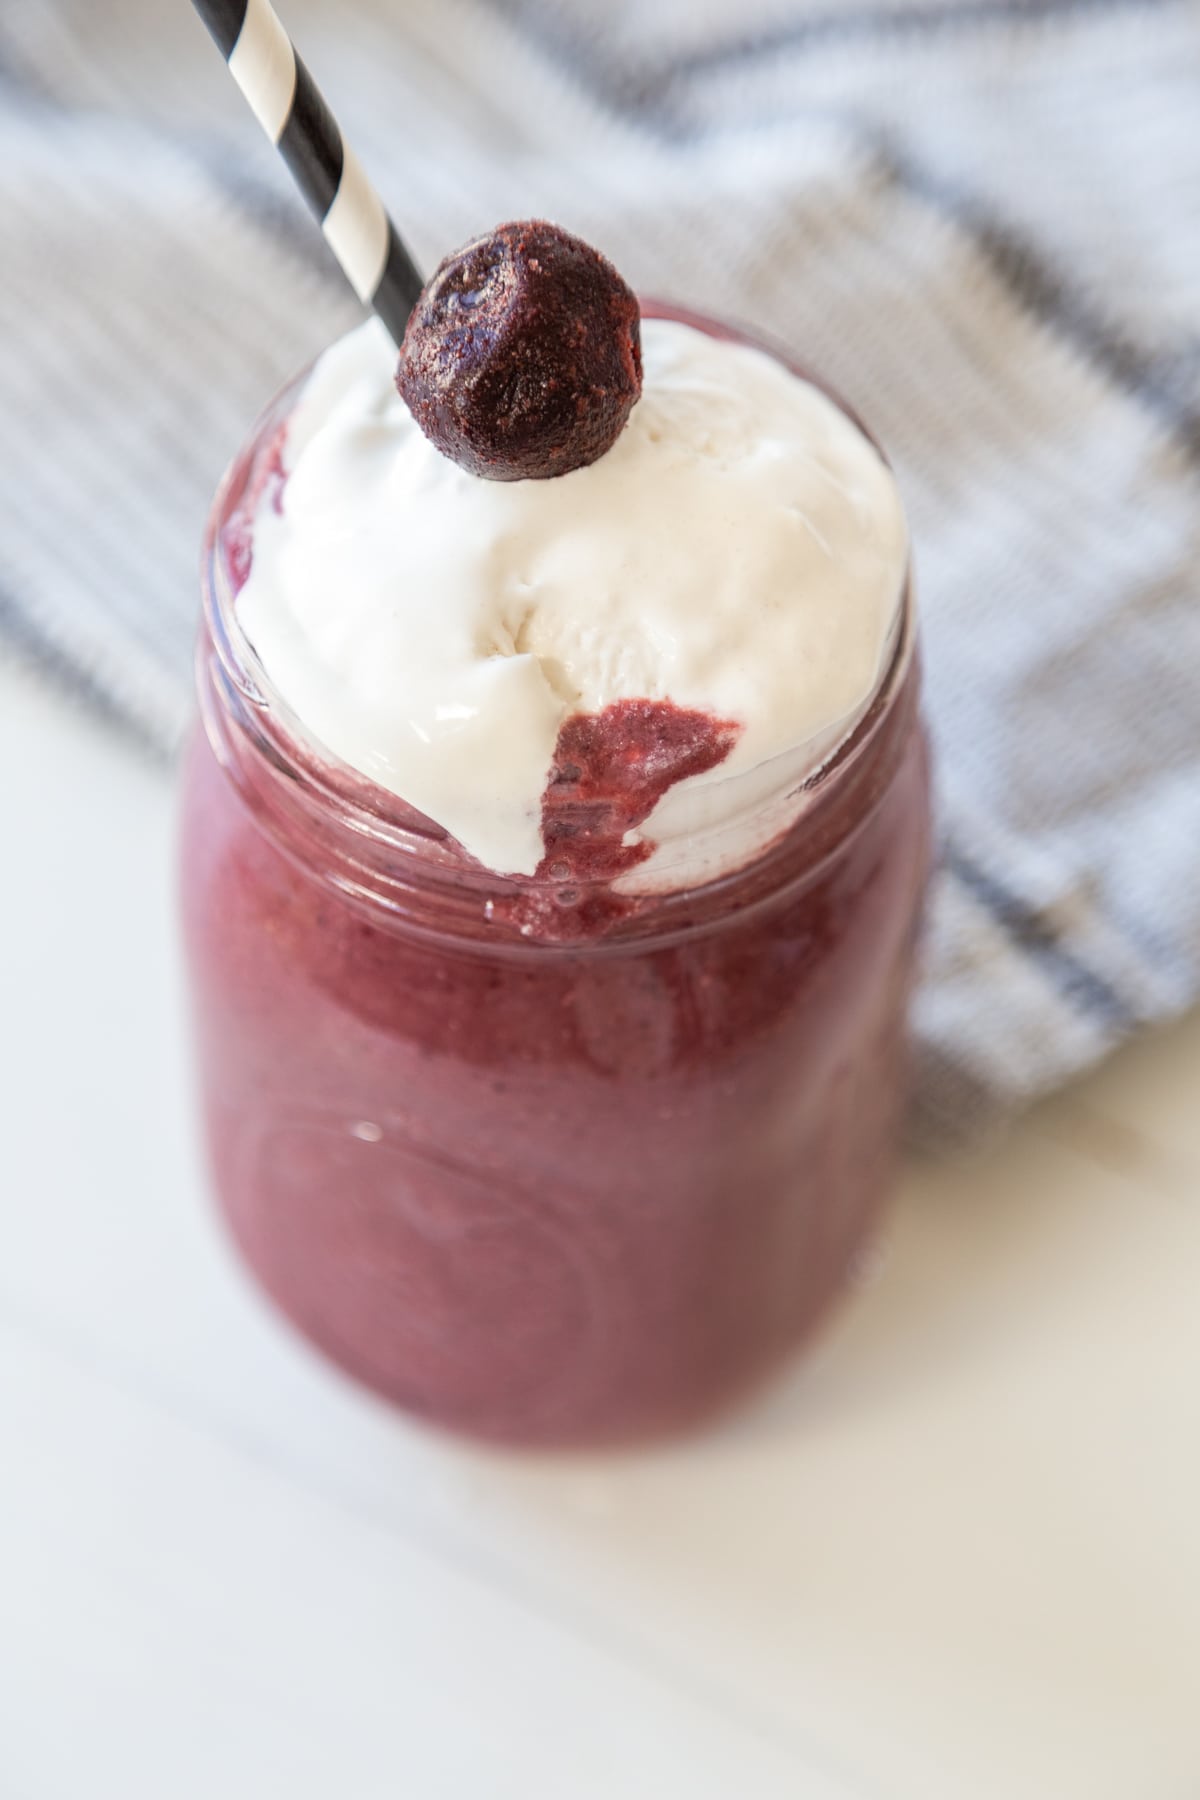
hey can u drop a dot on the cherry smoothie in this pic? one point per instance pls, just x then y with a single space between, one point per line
548 1158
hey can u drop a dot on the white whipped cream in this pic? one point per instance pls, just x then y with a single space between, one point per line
740 550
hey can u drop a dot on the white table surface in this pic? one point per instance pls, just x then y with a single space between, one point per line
955 1554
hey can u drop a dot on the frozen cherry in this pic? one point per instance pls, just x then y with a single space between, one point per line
523 357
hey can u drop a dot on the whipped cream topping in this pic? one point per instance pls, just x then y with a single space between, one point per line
740 550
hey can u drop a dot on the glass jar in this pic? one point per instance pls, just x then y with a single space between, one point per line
534 1182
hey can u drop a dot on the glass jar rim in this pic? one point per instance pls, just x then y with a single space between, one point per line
389 852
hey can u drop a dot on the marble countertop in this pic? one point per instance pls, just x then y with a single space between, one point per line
954 1554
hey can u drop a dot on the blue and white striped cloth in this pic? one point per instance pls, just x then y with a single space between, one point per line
981 218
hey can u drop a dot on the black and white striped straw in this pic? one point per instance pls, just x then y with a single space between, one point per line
289 106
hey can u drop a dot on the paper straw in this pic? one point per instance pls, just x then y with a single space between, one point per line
289 106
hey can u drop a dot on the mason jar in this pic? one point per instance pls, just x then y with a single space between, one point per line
536 1168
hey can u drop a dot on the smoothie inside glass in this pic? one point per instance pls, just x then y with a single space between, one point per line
572 1152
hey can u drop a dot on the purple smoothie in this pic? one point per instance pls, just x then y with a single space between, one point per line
537 1160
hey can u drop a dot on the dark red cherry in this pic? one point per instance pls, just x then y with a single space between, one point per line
523 358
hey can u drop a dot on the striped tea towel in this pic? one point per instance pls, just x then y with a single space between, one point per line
980 218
